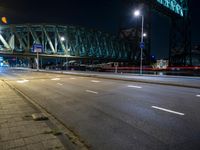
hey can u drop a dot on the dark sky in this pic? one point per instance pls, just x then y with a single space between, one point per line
106 15
101 14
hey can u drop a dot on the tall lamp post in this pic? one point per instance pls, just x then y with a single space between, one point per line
137 13
67 51
62 38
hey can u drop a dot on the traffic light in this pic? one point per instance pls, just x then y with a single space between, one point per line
4 20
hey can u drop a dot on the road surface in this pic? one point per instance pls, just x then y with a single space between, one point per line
114 114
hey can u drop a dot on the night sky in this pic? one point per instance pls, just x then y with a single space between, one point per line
106 15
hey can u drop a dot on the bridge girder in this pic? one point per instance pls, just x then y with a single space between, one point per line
79 42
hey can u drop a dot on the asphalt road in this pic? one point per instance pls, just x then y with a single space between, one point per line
114 114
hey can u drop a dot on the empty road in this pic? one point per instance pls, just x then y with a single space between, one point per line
114 114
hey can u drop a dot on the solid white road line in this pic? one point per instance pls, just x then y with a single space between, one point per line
89 91
197 95
72 78
167 110
133 86
95 81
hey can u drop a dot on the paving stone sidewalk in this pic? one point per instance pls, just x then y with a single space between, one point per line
18 130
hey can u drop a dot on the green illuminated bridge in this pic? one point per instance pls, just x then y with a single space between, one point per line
176 6
62 40
79 42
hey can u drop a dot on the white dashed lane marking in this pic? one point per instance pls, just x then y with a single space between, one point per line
95 81
22 81
133 86
59 83
55 79
90 91
167 110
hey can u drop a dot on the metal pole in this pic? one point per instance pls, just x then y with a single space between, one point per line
142 40
66 63
37 61
116 65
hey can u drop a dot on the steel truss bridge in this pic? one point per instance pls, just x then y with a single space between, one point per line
180 27
62 41
92 44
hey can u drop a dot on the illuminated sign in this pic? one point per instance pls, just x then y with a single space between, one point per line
172 5
37 48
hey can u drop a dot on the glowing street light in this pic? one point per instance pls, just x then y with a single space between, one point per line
62 38
144 35
137 13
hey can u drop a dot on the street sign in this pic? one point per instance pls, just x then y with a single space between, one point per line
142 45
116 65
37 48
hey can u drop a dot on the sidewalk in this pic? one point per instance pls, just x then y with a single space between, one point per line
18 130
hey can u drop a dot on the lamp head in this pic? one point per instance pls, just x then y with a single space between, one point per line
144 35
136 13
62 38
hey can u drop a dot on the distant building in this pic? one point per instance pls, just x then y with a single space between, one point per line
161 64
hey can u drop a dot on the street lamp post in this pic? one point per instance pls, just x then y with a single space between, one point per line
37 61
37 48
137 13
67 51
142 41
